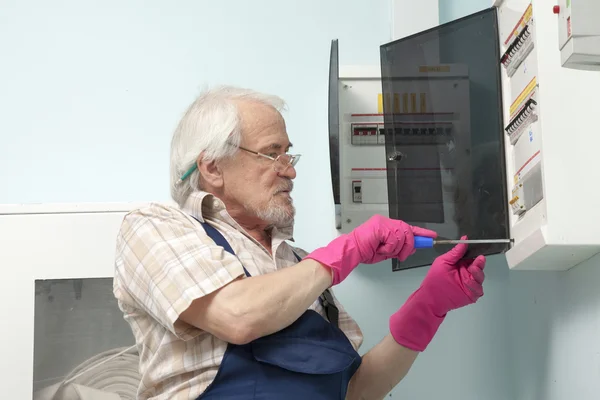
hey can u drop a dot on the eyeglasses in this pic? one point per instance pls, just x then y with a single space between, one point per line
281 162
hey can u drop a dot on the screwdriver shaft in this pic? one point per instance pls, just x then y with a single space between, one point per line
480 241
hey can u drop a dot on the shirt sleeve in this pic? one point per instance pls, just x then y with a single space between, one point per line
165 261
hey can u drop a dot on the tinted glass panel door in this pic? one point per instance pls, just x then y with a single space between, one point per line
444 134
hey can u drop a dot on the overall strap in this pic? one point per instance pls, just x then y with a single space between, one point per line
218 238
326 298
327 302
331 309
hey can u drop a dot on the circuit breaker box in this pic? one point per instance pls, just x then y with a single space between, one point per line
481 127
422 139
579 33
356 143
548 54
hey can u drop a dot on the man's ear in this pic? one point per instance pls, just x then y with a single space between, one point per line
210 173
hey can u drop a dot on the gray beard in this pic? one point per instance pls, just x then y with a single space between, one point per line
276 214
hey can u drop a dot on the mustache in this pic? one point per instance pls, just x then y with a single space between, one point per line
287 186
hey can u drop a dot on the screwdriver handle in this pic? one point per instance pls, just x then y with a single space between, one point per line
423 242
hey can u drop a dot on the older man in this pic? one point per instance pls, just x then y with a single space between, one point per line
223 307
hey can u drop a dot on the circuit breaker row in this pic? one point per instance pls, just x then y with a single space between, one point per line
518 56
374 134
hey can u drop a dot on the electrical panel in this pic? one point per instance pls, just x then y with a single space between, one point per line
579 33
420 138
356 143
520 62
549 105
482 126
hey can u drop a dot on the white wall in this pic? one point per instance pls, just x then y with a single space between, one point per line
46 246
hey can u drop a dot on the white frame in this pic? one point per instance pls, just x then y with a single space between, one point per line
47 241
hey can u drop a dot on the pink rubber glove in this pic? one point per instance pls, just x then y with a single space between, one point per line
450 283
376 240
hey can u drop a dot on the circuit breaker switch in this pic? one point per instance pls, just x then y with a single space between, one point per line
520 47
357 191
517 203
525 117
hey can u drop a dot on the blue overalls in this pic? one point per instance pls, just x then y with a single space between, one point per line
312 359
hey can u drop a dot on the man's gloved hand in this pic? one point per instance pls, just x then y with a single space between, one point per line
376 240
450 283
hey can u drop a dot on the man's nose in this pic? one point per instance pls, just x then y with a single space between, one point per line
289 172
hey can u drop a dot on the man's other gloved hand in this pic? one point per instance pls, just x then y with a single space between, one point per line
376 240
450 283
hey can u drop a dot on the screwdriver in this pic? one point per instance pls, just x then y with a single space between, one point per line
422 242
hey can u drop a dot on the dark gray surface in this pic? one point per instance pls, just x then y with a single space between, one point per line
478 180
75 319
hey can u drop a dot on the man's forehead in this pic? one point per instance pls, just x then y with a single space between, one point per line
263 126
255 113
272 137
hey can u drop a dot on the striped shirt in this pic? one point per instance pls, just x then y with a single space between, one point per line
164 261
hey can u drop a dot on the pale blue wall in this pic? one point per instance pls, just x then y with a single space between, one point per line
468 358
90 95
91 91
453 9
555 332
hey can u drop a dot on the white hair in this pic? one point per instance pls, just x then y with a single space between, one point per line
210 127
